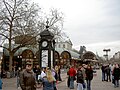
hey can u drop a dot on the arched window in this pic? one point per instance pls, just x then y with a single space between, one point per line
27 54
63 45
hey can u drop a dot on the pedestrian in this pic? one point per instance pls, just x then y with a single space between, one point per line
18 77
103 72
68 79
116 75
72 74
80 78
89 76
48 81
1 84
59 73
43 74
37 72
56 76
84 75
108 73
27 79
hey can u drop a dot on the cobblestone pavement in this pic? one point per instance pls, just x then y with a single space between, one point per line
97 84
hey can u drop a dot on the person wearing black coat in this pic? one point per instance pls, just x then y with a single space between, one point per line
89 76
103 72
108 74
116 75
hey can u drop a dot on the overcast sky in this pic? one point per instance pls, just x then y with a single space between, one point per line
91 23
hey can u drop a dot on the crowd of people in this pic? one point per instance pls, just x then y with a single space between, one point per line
111 73
83 76
31 77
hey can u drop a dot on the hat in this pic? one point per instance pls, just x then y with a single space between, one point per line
28 63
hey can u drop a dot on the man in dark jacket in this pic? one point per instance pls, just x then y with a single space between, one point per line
27 79
103 72
116 75
89 76
80 78
108 74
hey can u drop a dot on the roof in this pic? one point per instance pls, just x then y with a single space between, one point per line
46 33
19 51
73 53
34 50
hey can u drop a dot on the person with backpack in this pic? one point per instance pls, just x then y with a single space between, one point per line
80 78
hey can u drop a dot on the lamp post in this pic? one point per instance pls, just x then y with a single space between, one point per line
106 51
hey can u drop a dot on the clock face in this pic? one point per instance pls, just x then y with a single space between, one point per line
44 43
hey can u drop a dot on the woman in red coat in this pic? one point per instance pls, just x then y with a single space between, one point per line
72 73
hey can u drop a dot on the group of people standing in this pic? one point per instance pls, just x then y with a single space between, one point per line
83 76
111 72
29 77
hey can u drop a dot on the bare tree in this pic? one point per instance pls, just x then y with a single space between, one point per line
17 17
55 19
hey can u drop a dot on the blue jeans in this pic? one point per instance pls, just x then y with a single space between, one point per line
18 82
103 76
79 86
71 82
88 84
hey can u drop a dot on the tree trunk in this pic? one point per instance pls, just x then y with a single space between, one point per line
10 62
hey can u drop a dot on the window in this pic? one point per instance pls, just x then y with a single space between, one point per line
63 45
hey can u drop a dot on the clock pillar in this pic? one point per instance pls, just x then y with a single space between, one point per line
46 48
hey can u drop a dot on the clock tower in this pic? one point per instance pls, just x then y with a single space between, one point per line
46 48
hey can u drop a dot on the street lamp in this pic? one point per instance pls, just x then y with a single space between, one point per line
106 50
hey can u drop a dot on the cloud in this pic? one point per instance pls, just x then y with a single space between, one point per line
92 23
98 47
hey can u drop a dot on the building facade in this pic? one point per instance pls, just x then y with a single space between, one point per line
116 58
64 55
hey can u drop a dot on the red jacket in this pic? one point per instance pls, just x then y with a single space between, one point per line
72 72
